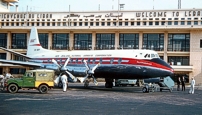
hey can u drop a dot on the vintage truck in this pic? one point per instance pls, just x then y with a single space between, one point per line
41 79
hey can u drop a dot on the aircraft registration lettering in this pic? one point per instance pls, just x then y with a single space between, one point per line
57 56
36 49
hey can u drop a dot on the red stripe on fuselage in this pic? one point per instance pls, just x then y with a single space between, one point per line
129 61
36 45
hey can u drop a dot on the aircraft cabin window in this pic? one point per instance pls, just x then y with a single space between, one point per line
100 60
112 60
120 60
94 61
71 60
77 60
88 60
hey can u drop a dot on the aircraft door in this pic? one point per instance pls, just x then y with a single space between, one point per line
29 80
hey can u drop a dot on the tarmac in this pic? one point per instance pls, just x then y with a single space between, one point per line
101 101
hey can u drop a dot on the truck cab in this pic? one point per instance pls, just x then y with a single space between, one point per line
41 79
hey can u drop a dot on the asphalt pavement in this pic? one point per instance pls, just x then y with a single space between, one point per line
97 100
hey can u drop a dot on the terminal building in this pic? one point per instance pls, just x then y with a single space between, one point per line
175 34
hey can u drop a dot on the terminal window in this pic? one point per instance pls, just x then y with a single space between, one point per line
201 43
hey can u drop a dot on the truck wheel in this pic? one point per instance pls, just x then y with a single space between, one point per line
43 88
60 85
13 88
144 90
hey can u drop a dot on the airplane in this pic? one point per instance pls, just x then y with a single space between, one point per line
82 65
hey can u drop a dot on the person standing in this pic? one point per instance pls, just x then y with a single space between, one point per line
192 86
178 83
183 83
64 81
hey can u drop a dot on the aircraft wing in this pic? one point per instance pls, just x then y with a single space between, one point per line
16 53
22 63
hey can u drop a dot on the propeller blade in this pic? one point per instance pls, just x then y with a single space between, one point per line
70 75
84 78
63 68
66 62
95 82
56 63
85 63
95 67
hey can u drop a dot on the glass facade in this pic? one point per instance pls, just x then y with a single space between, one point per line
18 58
19 41
2 55
17 70
178 60
129 41
43 39
153 42
60 41
178 42
105 41
82 41
3 40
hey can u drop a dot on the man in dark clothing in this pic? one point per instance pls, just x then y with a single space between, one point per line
183 83
178 83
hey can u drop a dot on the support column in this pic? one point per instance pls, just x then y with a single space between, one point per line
93 40
28 37
165 57
71 40
50 40
140 39
8 55
116 40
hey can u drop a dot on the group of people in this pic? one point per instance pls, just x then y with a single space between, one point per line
181 80
4 78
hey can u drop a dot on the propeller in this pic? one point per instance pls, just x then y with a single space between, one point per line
90 72
64 69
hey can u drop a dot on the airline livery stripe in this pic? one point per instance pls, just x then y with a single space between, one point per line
36 45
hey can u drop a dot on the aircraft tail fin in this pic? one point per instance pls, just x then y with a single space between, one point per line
34 45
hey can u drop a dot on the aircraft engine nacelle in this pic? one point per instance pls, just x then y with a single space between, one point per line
52 67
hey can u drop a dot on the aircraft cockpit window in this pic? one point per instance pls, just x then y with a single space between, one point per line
145 56
152 56
157 55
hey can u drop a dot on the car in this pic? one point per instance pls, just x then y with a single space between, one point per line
40 79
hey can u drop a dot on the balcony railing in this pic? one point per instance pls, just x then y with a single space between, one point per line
104 48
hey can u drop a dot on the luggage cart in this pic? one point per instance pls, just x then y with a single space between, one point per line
166 84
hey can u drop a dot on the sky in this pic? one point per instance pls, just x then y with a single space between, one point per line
102 5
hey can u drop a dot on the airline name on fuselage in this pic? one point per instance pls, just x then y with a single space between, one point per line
89 55
139 62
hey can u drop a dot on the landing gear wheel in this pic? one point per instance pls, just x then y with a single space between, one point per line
60 85
13 88
108 84
43 88
144 90
86 84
